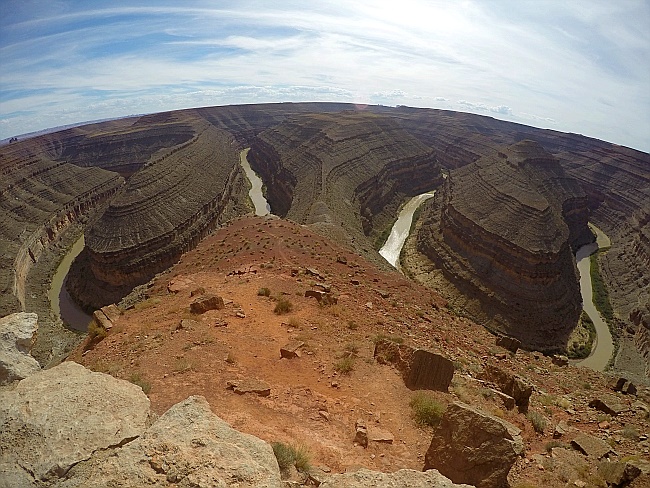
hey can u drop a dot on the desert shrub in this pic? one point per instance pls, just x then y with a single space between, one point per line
282 306
230 358
352 347
538 421
183 365
136 379
96 331
352 325
630 432
264 292
426 410
383 337
345 365
288 455
552 444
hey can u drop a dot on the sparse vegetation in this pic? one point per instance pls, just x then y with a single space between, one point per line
230 358
183 365
383 337
345 365
264 292
289 455
600 293
582 339
426 410
136 379
352 347
352 325
96 332
282 306
538 421
630 432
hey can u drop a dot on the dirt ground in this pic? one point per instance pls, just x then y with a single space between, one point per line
311 403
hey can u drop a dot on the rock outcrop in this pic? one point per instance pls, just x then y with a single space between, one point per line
166 208
420 369
404 478
17 337
59 417
502 230
473 447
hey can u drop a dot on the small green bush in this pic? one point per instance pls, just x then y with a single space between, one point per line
96 331
289 455
426 410
538 421
345 365
264 292
383 337
136 379
283 306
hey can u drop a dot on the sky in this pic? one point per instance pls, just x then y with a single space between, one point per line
578 66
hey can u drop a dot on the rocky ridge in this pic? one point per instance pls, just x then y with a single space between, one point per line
164 210
502 229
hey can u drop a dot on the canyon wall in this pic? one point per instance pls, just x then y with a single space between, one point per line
502 229
165 209
39 199
351 168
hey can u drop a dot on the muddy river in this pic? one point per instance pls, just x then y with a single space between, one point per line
61 303
262 207
401 228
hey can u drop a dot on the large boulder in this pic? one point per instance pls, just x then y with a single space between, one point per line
404 478
510 384
420 369
17 337
56 418
188 446
473 447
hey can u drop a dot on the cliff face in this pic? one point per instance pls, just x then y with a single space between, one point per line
164 210
39 199
354 168
502 230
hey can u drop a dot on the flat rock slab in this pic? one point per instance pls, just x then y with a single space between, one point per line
590 445
381 436
112 312
17 335
608 404
178 284
290 350
250 385
58 417
188 446
404 478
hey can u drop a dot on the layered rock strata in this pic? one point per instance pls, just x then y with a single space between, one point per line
501 229
165 209
352 168
40 198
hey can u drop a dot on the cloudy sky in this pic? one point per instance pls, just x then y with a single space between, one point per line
571 65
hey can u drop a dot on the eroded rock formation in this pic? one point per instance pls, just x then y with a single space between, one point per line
17 337
165 209
502 229
353 168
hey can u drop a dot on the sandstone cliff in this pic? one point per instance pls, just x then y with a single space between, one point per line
501 229
352 168
165 209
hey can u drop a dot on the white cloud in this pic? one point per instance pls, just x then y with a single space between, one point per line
579 66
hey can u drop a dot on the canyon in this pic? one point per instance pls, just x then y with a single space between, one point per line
147 189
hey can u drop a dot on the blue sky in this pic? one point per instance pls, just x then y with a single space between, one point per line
575 66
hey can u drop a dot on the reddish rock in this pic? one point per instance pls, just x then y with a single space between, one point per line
250 385
290 350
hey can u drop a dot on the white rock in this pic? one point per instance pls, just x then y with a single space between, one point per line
17 336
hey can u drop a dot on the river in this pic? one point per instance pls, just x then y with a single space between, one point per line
603 346
61 303
262 207
392 248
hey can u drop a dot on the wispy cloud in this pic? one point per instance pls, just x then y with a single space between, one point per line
576 66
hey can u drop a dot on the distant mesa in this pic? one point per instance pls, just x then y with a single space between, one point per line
503 229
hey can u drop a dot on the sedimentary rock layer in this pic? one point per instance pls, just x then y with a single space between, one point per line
164 210
502 229
351 167
39 198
